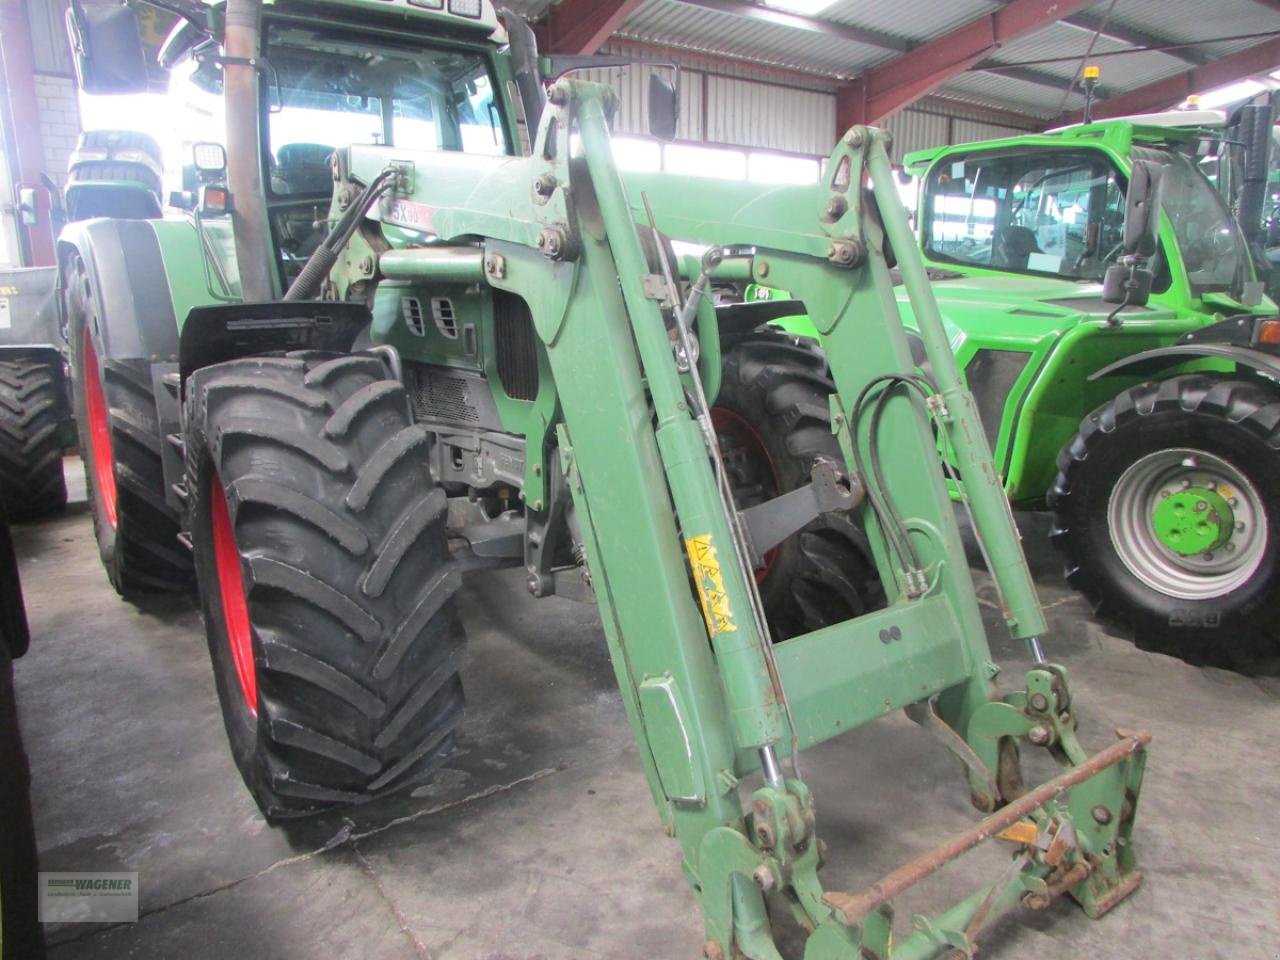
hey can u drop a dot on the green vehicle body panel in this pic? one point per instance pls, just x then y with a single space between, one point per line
1058 326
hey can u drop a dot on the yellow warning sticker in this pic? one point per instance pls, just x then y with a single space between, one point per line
710 581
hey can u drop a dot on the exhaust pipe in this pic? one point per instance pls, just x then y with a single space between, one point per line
240 93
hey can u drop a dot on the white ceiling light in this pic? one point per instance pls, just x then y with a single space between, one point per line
804 7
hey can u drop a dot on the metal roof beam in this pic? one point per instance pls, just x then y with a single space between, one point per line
1260 58
781 18
1135 38
881 90
1026 75
584 26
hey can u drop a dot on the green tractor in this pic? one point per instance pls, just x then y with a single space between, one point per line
1134 395
112 173
379 316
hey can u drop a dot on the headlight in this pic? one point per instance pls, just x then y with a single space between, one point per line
465 8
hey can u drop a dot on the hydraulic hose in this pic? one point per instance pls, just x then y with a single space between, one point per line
307 283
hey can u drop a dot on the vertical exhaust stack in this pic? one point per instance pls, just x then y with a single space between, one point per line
243 42
1256 120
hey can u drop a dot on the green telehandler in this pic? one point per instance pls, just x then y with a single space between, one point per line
345 337
1143 414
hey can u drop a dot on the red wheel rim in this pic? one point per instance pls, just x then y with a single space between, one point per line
732 426
235 608
104 475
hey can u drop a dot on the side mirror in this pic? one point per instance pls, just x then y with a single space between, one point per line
106 49
28 206
664 108
1128 282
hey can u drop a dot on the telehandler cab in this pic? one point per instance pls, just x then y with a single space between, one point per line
1144 415
334 358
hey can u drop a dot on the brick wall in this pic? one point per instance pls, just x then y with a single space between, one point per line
59 122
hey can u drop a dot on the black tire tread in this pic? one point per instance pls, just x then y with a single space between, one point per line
1248 404
142 553
358 689
31 479
823 574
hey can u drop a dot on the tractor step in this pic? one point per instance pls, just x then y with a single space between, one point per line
167 387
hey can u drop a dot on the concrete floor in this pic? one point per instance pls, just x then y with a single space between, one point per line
539 841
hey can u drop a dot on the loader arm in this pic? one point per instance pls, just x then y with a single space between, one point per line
710 698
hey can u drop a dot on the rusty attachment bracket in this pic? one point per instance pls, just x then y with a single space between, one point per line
852 907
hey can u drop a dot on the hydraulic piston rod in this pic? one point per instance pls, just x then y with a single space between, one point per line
758 719
982 483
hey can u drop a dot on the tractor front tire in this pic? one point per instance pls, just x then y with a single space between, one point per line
1167 513
325 580
120 444
773 420
31 481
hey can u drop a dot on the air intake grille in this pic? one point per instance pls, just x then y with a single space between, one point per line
515 340
442 313
439 396
411 308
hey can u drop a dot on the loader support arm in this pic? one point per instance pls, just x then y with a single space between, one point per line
712 701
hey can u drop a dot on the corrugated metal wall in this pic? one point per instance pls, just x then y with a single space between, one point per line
967 130
716 108
933 126
728 106
915 130
749 114
632 86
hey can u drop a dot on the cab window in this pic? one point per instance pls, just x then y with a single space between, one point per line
1057 213
328 91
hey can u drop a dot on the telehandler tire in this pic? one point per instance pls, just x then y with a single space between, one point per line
31 481
772 418
120 443
1167 513
325 579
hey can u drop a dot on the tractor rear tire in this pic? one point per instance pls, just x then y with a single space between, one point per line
325 579
120 443
31 480
1188 433
773 420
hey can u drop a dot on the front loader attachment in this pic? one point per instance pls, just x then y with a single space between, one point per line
719 709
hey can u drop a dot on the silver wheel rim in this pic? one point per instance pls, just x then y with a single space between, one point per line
1204 576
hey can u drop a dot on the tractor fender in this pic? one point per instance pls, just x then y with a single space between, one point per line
221 332
127 275
1162 358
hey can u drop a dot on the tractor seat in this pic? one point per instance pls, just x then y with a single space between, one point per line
303 168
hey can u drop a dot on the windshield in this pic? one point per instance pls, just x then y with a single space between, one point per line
1049 212
331 90
1209 239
